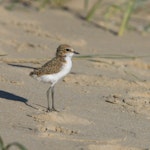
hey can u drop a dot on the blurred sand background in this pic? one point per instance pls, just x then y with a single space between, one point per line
104 103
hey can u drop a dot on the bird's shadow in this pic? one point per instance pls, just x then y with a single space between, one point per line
13 97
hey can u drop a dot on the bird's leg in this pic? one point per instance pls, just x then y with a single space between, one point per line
52 93
48 91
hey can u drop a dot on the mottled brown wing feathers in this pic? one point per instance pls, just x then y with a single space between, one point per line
51 67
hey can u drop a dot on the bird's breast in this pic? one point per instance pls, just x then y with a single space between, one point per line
53 78
66 66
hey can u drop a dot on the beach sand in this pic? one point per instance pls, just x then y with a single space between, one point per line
104 103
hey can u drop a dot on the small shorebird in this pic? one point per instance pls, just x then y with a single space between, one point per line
54 70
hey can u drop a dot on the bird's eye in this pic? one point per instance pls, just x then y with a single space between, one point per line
67 50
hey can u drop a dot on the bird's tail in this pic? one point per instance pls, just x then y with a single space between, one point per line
33 73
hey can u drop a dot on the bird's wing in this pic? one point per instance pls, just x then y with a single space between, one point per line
51 67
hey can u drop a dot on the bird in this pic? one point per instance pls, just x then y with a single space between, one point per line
54 70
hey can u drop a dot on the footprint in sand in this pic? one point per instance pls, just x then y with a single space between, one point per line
50 124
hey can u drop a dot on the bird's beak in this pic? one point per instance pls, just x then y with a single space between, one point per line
76 52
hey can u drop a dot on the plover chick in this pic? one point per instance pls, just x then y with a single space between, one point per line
54 70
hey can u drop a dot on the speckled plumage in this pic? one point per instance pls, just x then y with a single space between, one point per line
55 69
54 65
51 67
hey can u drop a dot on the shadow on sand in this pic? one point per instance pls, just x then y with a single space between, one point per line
21 66
13 97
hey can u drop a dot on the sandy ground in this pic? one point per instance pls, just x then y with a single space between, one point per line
104 103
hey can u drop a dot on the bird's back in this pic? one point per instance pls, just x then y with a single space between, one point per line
51 67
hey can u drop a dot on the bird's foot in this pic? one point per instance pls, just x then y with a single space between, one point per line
48 110
51 110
